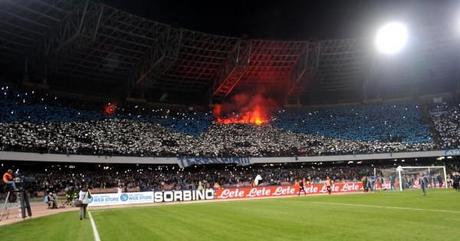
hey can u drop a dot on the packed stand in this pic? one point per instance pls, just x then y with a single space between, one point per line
40 123
446 121
398 122
58 178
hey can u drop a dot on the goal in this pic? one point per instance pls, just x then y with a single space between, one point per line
408 177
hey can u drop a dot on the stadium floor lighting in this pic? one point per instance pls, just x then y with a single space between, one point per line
391 38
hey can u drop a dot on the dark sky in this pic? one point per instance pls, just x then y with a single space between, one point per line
291 19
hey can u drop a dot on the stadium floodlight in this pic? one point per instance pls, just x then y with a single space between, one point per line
391 38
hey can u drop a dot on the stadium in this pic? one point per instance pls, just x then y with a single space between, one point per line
173 120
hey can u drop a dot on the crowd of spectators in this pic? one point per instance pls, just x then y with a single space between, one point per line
136 138
40 123
446 121
58 178
388 122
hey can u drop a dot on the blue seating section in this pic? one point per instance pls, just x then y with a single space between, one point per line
18 106
378 122
383 122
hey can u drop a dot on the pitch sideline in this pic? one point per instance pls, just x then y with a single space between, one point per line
93 225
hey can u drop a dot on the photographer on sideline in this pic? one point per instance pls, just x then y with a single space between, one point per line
51 200
8 179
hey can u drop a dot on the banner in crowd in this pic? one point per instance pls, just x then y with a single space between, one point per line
276 191
454 152
190 161
121 198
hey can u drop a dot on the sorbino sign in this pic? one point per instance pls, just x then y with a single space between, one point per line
183 195
150 197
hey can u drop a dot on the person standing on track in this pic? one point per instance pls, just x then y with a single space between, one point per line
424 184
84 197
456 181
440 181
328 185
302 187
257 180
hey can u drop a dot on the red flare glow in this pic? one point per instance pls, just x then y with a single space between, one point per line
244 109
256 116
110 108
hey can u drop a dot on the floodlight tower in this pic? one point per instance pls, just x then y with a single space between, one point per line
389 40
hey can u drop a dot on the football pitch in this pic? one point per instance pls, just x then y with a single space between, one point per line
375 216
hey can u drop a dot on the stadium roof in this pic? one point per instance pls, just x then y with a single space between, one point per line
75 43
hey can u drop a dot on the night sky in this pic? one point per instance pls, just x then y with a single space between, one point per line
290 19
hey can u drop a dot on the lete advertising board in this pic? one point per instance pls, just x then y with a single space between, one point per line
276 191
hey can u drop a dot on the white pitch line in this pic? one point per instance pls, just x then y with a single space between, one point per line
93 224
389 207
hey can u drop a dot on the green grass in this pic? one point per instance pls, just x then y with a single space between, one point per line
64 226
306 218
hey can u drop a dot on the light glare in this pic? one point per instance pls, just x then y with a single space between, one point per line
391 38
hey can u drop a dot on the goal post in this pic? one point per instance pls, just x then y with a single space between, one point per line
408 177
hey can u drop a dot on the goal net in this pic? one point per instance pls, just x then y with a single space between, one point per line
409 177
